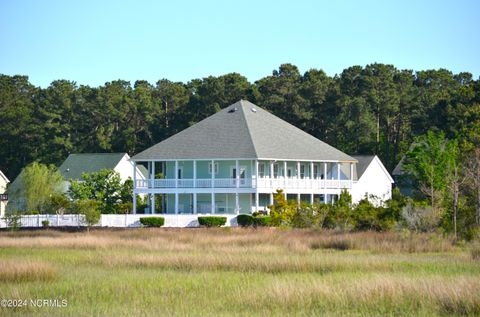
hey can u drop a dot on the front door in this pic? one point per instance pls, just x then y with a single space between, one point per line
233 175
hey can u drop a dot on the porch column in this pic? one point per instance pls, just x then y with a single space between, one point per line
237 174
311 176
153 186
298 175
237 205
284 175
149 181
176 203
194 203
298 199
212 205
134 211
194 173
256 201
311 199
256 176
271 198
325 182
176 173
271 174
338 171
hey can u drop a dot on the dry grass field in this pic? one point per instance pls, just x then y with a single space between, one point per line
238 272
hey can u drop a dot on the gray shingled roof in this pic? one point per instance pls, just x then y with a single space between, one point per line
244 131
77 164
363 162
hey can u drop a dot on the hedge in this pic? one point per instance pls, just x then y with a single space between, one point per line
152 221
249 220
212 221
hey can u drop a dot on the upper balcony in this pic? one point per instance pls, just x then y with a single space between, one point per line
265 182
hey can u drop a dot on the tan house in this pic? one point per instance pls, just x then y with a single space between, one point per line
3 197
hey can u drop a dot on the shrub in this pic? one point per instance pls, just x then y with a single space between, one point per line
212 221
263 221
245 220
152 221
45 223
282 211
13 221
89 208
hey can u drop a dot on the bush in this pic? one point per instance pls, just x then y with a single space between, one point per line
263 221
152 221
245 220
89 208
45 223
212 221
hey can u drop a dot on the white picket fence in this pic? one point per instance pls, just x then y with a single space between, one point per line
120 221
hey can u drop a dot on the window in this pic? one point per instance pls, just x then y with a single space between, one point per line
180 173
210 168
315 170
302 170
261 170
275 170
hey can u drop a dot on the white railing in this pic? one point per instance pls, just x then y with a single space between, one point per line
264 182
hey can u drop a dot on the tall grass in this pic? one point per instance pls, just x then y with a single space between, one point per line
17 270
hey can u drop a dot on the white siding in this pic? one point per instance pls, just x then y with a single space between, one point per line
125 169
374 181
3 187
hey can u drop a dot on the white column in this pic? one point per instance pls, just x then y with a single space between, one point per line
311 199
237 174
325 182
149 168
285 175
271 198
271 175
153 172
194 173
194 203
237 205
298 175
134 211
298 199
213 185
338 171
152 204
256 201
176 203
256 175
311 175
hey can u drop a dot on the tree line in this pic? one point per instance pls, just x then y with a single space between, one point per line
376 109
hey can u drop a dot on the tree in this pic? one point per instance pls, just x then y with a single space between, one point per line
105 188
37 184
427 163
342 210
89 209
282 211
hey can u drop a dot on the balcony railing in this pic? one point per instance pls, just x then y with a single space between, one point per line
291 183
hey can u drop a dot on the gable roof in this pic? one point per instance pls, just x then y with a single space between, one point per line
77 164
364 161
244 131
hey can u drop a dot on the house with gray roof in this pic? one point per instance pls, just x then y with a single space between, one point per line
233 161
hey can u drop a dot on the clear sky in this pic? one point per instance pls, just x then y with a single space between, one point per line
92 42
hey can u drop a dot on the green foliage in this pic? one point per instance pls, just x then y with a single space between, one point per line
254 220
312 216
245 220
212 221
37 184
368 217
59 204
45 223
152 221
341 214
282 211
88 208
13 221
106 188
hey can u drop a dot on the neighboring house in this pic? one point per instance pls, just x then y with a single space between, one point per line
3 197
233 161
373 180
79 163
403 179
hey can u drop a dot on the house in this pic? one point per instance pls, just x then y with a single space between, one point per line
3 197
373 180
233 161
79 163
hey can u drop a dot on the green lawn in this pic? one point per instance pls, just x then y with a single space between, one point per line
238 272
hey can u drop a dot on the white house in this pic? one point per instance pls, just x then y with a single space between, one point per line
373 180
3 197
79 163
233 161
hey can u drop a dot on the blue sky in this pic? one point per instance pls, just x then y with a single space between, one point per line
92 42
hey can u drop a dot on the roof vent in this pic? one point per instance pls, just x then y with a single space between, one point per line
232 110
253 110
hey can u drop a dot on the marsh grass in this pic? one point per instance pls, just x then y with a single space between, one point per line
240 272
